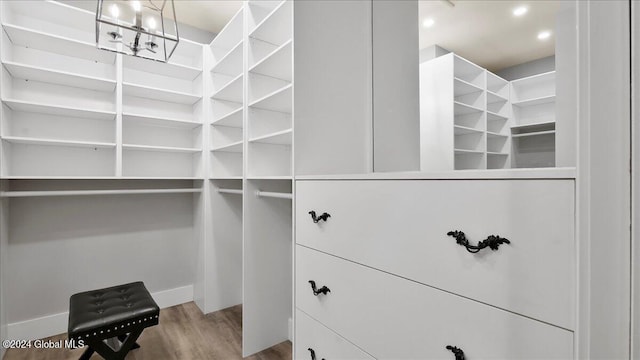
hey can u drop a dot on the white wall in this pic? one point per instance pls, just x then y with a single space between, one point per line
432 52
62 245
635 61
529 68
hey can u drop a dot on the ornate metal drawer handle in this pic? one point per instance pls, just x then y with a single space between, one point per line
313 354
456 351
316 219
492 242
323 290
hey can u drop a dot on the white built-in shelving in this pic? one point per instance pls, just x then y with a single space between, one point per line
533 128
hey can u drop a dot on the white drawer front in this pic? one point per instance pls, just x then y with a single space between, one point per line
401 227
326 344
393 318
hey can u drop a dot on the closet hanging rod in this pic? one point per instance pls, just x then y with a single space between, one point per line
230 191
7 194
270 194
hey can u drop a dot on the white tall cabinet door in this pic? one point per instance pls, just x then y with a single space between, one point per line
401 227
392 318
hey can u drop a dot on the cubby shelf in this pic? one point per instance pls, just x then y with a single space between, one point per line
279 100
232 91
154 93
159 121
169 69
495 98
232 119
540 126
28 72
270 177
138 147
57 44
535 101
463 130
231 63
29 106
461 87
56 142
276 64
277 138
270 28
235 147
225 178
491 116
464 109
13 194
468 152
494 134
493 153
229 36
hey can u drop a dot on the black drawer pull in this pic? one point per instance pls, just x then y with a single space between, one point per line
456 351
323 290
313 354
316 219
492 242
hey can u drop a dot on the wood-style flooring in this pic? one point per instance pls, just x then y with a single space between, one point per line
184 333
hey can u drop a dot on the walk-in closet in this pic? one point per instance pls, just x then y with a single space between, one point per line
290 179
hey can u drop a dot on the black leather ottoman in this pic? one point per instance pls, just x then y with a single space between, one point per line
117 314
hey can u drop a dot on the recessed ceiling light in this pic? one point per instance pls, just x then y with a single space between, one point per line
519 11
543 35
428 22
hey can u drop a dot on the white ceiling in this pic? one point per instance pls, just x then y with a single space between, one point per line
211 16
487 33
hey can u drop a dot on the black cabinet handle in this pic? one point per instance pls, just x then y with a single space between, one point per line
316 219
313 354
492 242
456 351
323 290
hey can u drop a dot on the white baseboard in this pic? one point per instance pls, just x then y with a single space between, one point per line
55 324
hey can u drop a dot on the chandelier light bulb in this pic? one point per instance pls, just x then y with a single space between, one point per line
152 23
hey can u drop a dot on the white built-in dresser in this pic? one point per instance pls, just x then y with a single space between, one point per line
383 276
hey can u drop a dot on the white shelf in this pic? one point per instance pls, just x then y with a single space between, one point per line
29 106
491 116
28 72
464 109
495 134
137 147
229 36
276 64
279 100
57 44
232 91
277 138
495 98
160 121
235 147
56 142
232 119
11 194
535 101
462 87
275 28
270 177
540 126
154 93
46 177
464 130
533 133
548 77
169 69
231 63
226 178
467 152
497 153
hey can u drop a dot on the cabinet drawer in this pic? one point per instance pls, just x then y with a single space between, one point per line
394 318
401 227
326 344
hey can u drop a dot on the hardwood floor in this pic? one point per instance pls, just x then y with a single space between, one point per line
184 333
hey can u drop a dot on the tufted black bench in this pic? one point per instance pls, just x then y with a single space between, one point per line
110 320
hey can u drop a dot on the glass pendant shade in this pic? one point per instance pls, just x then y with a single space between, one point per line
144 28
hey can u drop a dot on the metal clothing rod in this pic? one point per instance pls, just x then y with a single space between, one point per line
230 191
274 194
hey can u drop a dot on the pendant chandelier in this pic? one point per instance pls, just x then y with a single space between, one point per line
145 28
